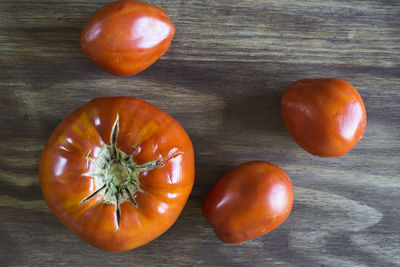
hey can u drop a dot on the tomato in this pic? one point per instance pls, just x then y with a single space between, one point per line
125 37
117 172
326 117
250 200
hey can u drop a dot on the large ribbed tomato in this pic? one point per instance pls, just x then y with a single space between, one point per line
125 37
117 172
250 200
326 117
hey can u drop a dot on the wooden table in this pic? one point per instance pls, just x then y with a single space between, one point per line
222 79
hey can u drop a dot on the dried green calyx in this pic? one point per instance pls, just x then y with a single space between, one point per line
116 174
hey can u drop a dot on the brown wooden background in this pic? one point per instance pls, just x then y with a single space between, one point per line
222 78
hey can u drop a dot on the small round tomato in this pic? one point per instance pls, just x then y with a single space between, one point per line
250 200
326 117
125 37
117 172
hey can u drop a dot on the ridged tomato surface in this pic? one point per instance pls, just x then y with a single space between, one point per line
81 173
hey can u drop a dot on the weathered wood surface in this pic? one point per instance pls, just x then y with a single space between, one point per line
222 78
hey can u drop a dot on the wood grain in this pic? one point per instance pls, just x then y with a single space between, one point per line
222 79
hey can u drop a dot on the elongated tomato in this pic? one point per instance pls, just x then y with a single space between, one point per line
125 37
250 200
117 172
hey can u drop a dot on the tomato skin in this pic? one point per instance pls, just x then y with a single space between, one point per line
126 37
165 189
250 200
326 117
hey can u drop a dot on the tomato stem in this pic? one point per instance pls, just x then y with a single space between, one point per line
116 174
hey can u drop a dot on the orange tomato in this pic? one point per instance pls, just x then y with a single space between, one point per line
250 200
125 37
326 117
117 172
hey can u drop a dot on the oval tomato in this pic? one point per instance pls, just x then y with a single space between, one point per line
125 37
117 172
250 200
326 117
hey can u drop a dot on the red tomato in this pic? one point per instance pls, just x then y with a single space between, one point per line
326 117
117 172
125 37
250 200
